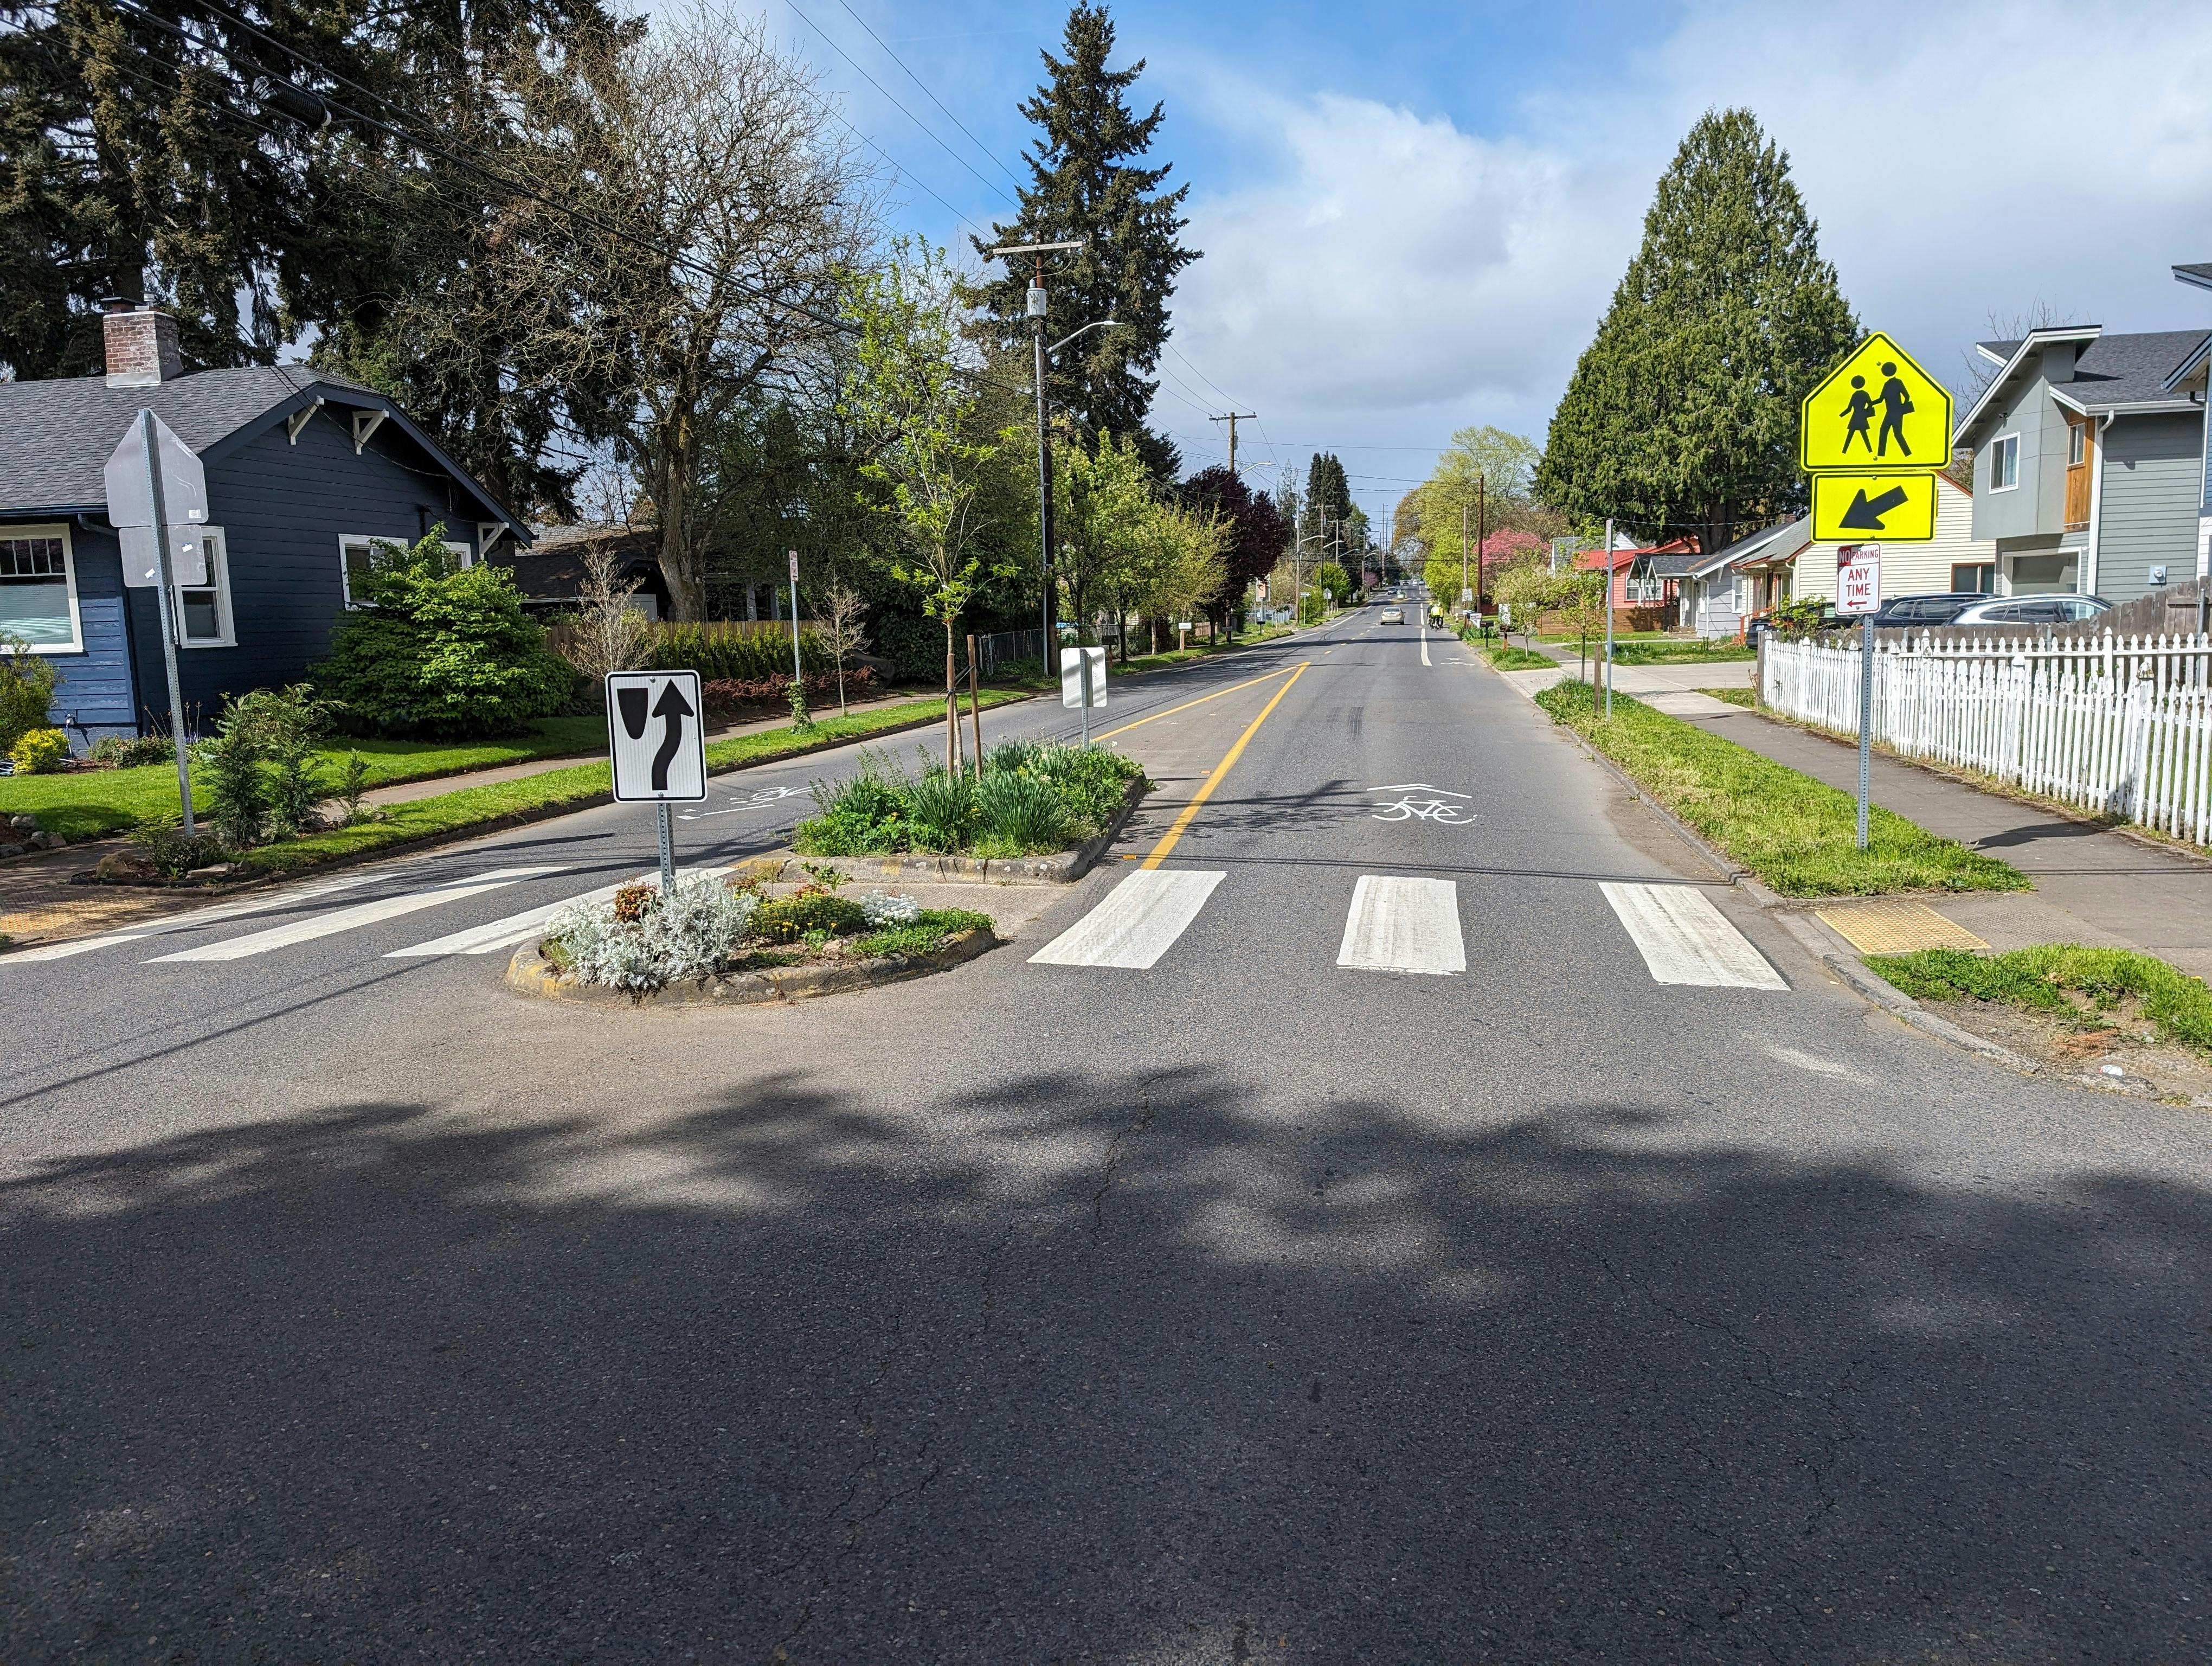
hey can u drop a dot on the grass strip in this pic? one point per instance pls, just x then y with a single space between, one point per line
81 803
559 790
1743 698
1675 651
1509 658
1798 834
2045 978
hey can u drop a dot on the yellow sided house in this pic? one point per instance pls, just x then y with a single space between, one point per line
1954 560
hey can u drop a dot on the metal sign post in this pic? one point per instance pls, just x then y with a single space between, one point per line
151 476
1858 592
797 675
657 742
1083 683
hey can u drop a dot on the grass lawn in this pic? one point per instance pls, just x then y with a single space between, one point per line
82 803
1798 834
558 789
1640 651
1618 636
2065 978
1747 698
1519 659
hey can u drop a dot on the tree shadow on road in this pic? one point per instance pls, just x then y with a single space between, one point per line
1126 1368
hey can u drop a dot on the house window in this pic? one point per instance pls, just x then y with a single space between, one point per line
204 618
2077 444
1979 576
358 551
38 591
2004 463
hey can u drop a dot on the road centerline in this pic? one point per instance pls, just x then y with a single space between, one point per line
1189 813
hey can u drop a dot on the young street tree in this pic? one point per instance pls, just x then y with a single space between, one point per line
1086 183
842 625
919 413
1682 414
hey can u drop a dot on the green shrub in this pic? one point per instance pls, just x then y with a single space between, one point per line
440 649
1092 781
229 785
942 810
26 689
39 752
925 932
791 919
861 815
719 652
130 751
1023 809
161 840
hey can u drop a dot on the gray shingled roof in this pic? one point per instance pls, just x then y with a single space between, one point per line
2199 275
1673 563
1756 543
2125 370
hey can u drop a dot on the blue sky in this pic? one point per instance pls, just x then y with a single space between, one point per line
1412 215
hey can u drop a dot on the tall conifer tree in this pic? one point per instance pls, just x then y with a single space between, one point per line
1682 414
1086 182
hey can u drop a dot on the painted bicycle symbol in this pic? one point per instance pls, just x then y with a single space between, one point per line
1418 801
766 795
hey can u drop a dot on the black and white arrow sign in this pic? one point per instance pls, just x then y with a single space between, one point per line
657 735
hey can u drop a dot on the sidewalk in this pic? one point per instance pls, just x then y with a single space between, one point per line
2092 885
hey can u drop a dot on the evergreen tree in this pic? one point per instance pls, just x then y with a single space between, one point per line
1085 183
1328 504
1681 416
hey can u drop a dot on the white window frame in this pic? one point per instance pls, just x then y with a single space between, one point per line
216 542
56 529
1996 449
464 552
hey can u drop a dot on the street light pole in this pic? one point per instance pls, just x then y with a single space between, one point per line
1049 605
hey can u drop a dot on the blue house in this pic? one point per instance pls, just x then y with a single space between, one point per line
305 471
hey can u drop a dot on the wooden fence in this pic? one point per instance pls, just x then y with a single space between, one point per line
2120 728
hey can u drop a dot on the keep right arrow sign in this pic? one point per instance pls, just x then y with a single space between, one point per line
1898 508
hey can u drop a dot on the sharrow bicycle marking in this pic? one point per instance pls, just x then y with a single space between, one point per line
1139 921
517 928
361 913
1401 925
188 922
1418 800
1684 938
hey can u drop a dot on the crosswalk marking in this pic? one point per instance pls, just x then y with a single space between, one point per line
517 929
1684 938
361 913
1400 924
187 921
1138 922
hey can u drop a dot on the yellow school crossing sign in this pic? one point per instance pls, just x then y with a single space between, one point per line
1863 508
1877 411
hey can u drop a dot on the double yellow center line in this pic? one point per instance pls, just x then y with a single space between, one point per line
1220 770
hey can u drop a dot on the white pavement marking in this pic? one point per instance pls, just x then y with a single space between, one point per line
517 928
1424 638
1403 925
187 921
361 913
1138 922
1684 938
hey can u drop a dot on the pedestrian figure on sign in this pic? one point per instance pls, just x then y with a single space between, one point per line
1896 405
1860 409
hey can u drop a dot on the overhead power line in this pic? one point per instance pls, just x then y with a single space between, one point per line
983 149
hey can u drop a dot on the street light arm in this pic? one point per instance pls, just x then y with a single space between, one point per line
1102 324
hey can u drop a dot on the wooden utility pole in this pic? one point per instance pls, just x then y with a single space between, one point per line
1233 418
1481 530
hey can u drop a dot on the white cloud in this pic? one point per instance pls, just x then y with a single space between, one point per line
1392 276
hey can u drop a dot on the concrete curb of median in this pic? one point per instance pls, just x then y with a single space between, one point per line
531 973
1902 1006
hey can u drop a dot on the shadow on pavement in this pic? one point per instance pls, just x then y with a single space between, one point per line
1099 1374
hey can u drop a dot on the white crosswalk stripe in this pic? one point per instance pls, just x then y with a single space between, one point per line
1684 938
341 920
519 928
186 921
1138 922
1400 924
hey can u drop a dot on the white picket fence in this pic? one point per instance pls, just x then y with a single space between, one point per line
2122 727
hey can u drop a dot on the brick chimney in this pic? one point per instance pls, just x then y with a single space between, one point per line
141 347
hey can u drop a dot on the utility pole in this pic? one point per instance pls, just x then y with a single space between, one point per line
1232 419
1482 533
1036 311
1463 551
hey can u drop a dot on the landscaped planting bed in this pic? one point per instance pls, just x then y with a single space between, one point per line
1028 800
726 938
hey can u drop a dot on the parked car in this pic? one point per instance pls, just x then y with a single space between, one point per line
1941 607
2032 610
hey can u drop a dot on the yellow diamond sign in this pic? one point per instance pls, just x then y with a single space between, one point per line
1873 508
1877 410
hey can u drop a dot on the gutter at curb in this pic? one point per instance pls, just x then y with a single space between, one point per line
531 973
1891 1000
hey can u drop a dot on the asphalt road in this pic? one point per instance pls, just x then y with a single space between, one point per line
1244 1304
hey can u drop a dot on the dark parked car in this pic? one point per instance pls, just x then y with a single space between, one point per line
2032 610
1939 608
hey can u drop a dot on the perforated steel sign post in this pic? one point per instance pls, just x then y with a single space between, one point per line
657 738
1858 591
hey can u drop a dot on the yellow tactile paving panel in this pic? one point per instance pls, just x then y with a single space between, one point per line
1897 928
